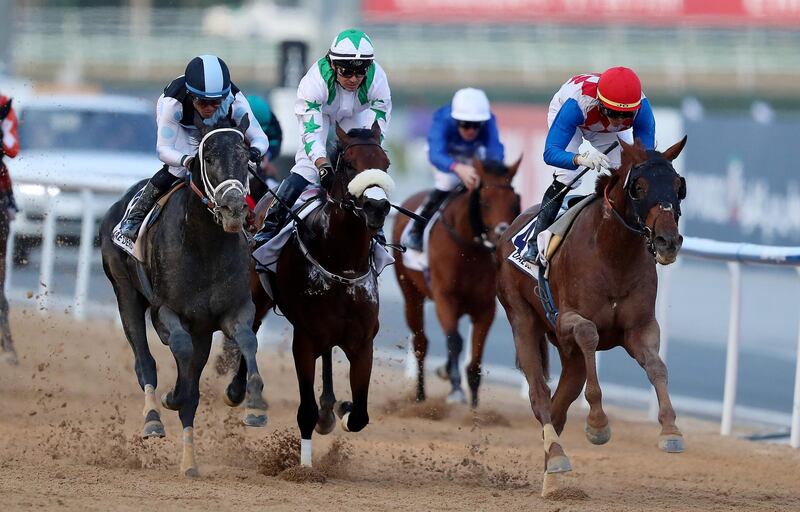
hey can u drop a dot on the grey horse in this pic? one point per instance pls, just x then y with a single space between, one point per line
194 280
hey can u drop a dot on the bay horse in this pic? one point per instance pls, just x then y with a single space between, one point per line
6 341
326 286
603 281
195 281
462 272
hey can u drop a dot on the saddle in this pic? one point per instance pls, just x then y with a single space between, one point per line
138 249
418 260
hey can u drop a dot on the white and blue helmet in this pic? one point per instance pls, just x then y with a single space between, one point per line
207 77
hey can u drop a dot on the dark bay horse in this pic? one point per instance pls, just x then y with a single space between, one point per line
6 341
198 282
326 286
462 272
603 280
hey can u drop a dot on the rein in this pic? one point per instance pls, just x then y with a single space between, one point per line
330 275
210 190
479 229
640 229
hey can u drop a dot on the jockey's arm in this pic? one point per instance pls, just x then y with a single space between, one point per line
380 100
437 142
644 125
255 135
494 148
168 111
311 96
560 134
10 139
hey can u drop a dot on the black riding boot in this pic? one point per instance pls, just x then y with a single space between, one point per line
551 203
429 207
155 188
288 192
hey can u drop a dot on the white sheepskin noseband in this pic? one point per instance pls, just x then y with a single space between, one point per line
370 178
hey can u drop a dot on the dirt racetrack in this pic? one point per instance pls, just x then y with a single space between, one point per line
71 416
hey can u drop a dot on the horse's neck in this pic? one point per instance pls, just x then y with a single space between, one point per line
615 243
199 221
457 215
342 241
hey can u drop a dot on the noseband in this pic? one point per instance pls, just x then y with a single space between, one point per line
479 229
224 187
348 202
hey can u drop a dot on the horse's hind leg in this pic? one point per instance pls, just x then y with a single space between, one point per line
327 419
573 326
481 322
415 318
447 312
132 306
642 344
6 341
354 415
239 328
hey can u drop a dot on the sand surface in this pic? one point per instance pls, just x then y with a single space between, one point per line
72 415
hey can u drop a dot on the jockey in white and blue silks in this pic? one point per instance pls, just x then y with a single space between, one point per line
204 91
598 109
461 131
346 87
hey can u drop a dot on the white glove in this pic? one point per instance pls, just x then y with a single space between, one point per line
592 159
467 174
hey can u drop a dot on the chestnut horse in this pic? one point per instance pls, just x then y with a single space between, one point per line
462 272
603 281
327 287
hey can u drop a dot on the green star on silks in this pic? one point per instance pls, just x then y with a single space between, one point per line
307 147
311 126
355 36
379 114
312 106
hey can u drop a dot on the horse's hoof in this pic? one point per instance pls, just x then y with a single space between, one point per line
456 396
597 435
559 464
10 358
153 429
341 407
166 400
442 373
232 402
672 443
326 423
191 472
255 417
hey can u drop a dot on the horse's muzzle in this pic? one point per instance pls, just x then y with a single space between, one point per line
232 213
375 212
667 248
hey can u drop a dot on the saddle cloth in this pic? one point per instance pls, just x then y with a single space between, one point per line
548 241
267 255
139 249
418 260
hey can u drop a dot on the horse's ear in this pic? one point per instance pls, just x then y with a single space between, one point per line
376 130
244 124
673 151
341 134
513 168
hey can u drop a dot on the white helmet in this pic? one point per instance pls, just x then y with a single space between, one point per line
470 105
351 44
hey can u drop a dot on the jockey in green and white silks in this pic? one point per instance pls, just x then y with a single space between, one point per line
347 87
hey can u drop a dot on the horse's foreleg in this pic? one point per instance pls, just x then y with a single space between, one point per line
191 399
415 318
447 312
357 417
6 341
570 384
307 412
239 328
327 419
481 322
571 325
642 344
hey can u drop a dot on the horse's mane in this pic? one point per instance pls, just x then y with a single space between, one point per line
634 154
495 167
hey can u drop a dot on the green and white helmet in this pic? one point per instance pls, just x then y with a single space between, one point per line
353 45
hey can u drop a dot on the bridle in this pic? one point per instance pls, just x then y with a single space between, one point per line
479 229
223 187
348 202
639 225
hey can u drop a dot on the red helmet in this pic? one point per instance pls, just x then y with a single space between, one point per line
620 89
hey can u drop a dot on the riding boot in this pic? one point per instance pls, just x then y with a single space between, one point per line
155 188
288 192
551 203
380 237
432 203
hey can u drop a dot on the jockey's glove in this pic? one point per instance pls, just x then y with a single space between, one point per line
592 159
255 155
326 176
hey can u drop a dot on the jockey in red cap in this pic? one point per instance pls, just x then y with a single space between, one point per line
598 109
9 143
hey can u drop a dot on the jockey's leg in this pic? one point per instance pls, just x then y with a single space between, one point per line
444 183
288 192
551 203
152 191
